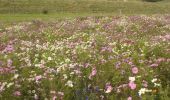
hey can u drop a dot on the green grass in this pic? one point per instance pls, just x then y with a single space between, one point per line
28 17
83 6
14 18
21 10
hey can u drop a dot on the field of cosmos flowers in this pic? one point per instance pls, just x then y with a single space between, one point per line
86 58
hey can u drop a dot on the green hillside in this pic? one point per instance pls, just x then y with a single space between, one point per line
70 8
84 6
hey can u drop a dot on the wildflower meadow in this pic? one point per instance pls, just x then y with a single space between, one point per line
86 58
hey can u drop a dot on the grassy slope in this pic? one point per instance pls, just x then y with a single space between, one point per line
70 8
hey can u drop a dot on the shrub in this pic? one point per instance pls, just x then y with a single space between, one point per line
45 11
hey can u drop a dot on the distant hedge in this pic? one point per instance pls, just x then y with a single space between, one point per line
152 0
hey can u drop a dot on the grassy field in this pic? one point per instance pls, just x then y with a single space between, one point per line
19 10
84 6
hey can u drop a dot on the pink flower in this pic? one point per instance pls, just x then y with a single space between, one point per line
118 64
145 83
129 98
87 65
130 63
168 60
54 98
132 85
9 48
167 37
17 93
93 73
154 65
159 60
37 78
9 63
109 88
134 70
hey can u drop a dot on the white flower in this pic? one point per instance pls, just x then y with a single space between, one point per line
10 84
52 92
72 73
156 84
61 93
16 76
65 76
69 83
37 65
148 90
132 79
142 91
36 55
154 80
33 91
49 58
67 60
35 96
